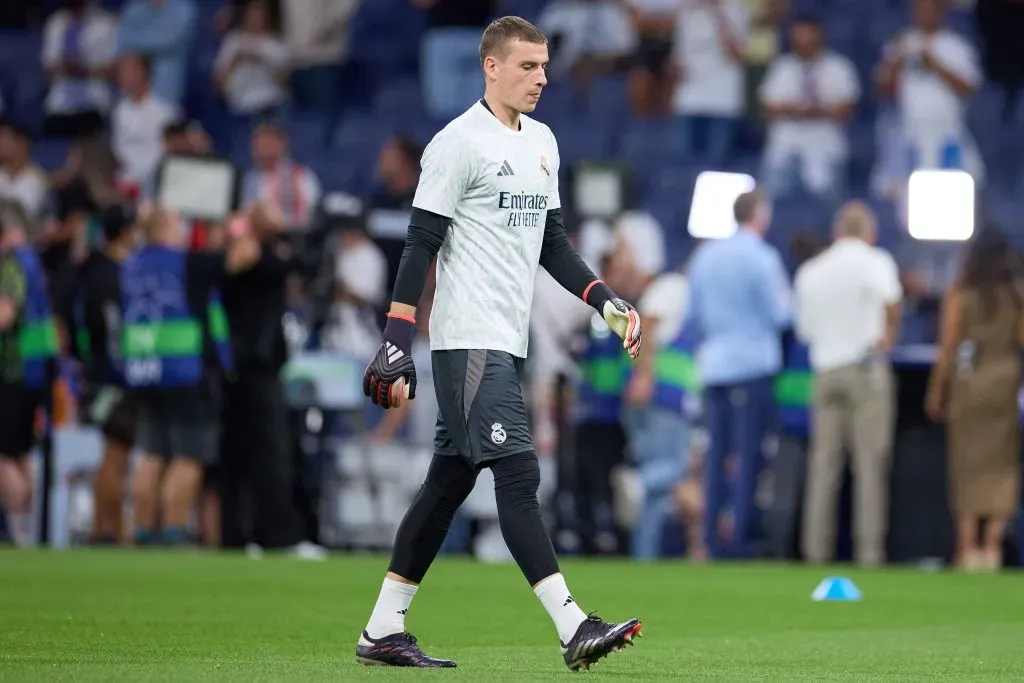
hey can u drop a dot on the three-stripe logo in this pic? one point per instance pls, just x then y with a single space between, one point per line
506 170
395 354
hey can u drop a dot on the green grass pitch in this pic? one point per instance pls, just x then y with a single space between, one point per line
189 616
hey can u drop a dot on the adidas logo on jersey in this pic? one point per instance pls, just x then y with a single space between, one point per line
395 354
505 170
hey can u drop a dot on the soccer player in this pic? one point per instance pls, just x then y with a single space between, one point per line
487 206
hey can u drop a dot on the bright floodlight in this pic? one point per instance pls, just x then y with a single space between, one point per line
941 205
713 196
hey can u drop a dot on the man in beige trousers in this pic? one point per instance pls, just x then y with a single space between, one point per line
848 311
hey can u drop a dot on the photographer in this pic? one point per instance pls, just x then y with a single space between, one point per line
256 447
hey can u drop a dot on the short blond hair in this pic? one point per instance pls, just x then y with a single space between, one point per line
503 32
855 219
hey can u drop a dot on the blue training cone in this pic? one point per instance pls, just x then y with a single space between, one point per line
836 589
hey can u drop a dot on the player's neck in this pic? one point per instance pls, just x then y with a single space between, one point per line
507 116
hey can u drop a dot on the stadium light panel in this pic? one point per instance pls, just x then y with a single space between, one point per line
940 205
713 197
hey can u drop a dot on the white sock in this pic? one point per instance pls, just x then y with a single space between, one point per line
20 528
561 607
389 613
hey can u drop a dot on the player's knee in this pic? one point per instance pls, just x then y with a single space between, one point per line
516 480
449 482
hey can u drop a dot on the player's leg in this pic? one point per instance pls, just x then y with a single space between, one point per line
17 435
195 445
118 429
153 439
448 483
500 438
385 640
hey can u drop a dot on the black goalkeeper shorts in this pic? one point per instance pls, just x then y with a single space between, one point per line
481 412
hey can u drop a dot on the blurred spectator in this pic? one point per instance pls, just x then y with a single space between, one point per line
556 319
808 95
740 303
251 70
708 62
450 60
230 16
316 33
974 388
587 38
286 187
64 241
931 72
762 46
361 287
21 179
163 31
398 172
97 180
1001 24
138 121
650 80
16 404
763 39
654 411
79 46
848 313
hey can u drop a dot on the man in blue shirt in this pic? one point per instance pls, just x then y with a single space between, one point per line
162 30
740 303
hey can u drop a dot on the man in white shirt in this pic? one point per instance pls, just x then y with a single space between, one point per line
848 312
252 65
488 208
283 184
932 73
808 95
138 122
588 36
79 46
709 95
21 180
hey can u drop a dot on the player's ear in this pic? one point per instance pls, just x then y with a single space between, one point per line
490 65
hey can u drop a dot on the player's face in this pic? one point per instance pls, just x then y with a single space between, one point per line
522 75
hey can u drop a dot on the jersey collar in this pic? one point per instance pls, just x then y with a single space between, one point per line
488 108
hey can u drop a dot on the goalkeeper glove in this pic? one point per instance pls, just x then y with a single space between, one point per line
621 317
624 321
391 375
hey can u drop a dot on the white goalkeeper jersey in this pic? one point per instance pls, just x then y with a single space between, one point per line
496 185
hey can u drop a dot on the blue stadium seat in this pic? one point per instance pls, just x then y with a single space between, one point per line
51 154
399 99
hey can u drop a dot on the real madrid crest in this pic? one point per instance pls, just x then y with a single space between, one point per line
544 165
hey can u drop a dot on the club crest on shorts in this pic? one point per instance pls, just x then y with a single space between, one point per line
498 435
544 165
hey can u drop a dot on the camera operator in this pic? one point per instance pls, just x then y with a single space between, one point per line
257 443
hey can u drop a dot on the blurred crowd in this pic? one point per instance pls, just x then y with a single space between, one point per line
819 101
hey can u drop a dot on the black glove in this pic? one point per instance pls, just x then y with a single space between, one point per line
391 363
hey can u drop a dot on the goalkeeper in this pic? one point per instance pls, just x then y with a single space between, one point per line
487 206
